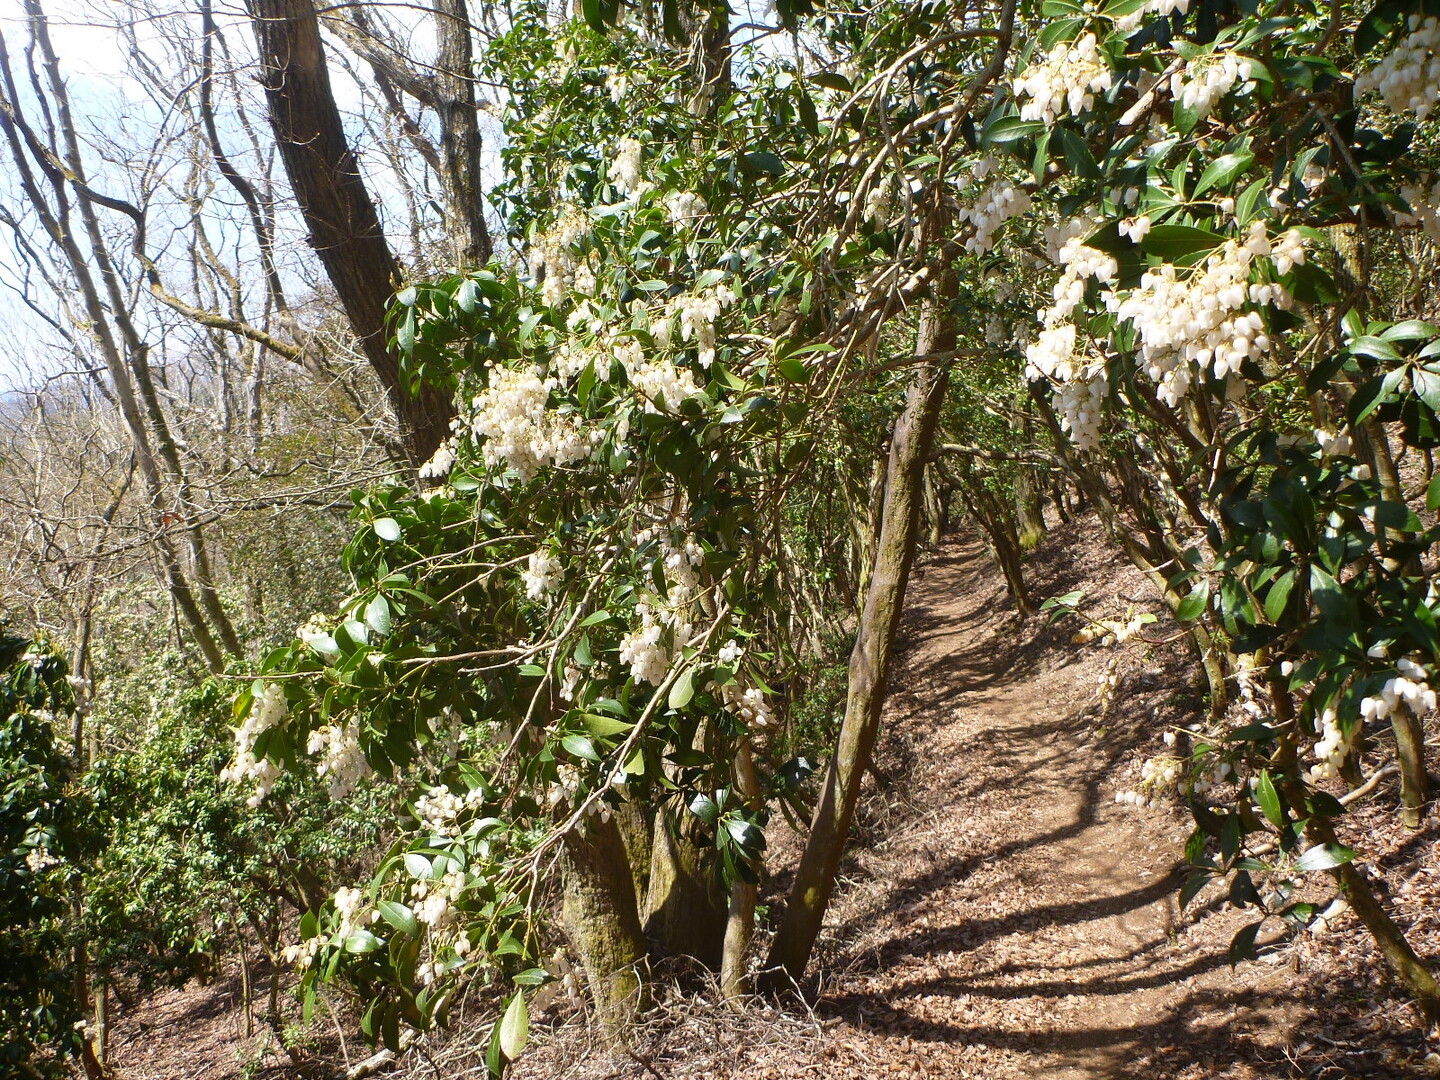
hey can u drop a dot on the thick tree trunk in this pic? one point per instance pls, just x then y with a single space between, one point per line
870 660
344 225
603 923
685 905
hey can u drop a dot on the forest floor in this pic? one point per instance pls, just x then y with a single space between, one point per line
1000 916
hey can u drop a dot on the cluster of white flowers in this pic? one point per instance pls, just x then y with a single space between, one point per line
342 761
618 85
553 254
440 808
303 953
1409 76
684 208
697 314
1199 319
542 574
1157 776
519 432
314 633
880 201
746 702
657 380
1199 85
1111 632
998 203
1332 748
355 913
643 650
1126 23
1424 209
267 711
1068 78
1409 689
435 900
440 463
1080 386
570 681
1333 444
1136 229
40 859
730 653
625 169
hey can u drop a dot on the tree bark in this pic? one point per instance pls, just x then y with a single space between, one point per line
685 905
870 660
459 134
343 222
740 923
603 923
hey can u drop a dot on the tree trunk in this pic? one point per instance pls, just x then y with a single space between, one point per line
344 225
870 660
740 924
603 922
459 134
1410 750
685 905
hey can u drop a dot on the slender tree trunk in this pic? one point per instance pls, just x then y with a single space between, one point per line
1410 750
740 924
342 219
870 660
459 133
603 923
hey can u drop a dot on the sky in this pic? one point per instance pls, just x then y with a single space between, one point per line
105 94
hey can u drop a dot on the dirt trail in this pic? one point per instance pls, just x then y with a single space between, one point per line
1025 925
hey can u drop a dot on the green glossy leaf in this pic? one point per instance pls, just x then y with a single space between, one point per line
514 1028
1222 173
387 528
1324 857
1269 799
377 615
399 916
682 690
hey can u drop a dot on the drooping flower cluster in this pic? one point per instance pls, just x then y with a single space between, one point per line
440 808
542 574
440 463
342 762
518 430
665 626
40 859
643 650
1199 85
1332 749
684 208
1080 385
1199 319
267 711
1000 201
1408 78
1409 689
1067 79
661 384
435 900
697 314
1157 776
553 255
625 168
1424 209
